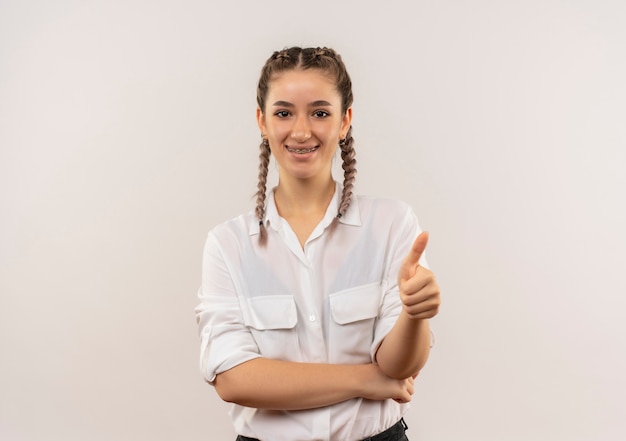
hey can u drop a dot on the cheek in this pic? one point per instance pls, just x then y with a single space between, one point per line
278 132
274 151
332 152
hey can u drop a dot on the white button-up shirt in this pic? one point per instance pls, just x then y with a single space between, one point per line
331 302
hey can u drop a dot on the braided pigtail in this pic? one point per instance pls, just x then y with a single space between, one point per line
264 160
349 171
330 63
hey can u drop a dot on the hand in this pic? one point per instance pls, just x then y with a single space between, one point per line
419 290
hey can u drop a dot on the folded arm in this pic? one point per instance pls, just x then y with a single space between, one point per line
284 385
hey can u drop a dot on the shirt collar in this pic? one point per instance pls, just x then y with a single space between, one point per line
272 218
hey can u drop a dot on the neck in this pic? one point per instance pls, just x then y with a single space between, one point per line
298 197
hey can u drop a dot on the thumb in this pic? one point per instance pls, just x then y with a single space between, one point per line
411 262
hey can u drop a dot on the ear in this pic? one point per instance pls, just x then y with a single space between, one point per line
260 120
345 122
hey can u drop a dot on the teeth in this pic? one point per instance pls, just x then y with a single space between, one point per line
302 151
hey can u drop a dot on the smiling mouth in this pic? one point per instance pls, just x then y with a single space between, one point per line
302 151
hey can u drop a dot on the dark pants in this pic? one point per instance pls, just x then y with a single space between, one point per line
394 433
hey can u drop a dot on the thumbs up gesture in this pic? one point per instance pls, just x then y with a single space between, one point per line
419 290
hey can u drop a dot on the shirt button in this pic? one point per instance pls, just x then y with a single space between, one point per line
312 318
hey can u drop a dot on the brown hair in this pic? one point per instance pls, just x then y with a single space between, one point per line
329 62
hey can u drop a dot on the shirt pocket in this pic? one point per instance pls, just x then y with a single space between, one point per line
353 314
272 322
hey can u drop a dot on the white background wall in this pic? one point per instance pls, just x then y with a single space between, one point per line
127 131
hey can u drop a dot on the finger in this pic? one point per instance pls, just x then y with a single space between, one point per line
428 304
412 259
416 303
421 285
423 314
404 397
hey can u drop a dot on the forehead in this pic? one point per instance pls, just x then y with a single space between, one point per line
305 84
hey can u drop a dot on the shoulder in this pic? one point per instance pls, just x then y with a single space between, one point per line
391 209
376 202
233 230
386 217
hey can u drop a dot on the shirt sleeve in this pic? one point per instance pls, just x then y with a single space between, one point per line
405 230
225 340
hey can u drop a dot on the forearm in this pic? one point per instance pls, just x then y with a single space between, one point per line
405 349
283 385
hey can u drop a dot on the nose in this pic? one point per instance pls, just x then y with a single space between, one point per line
301 131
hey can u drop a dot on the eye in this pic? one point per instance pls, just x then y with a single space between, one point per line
320 114
282 114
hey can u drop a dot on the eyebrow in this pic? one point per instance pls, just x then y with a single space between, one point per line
317 103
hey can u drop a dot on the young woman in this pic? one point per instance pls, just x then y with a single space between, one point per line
314 308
